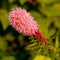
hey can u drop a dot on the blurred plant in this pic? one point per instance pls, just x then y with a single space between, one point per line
15 46
52 3
34 5
12 46
17 2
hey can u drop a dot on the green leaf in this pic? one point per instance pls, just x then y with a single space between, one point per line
4 18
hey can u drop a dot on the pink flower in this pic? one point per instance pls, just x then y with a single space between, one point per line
24 23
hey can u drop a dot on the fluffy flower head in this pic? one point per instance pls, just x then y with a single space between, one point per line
23 22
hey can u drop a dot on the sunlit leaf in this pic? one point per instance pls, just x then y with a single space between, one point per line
41 57
4 18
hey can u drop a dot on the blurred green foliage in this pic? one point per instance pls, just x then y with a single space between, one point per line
15 46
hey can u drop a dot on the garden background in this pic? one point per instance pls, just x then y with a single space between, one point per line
16 46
